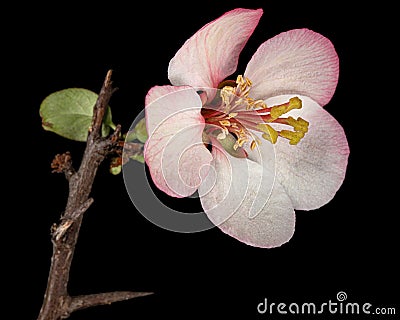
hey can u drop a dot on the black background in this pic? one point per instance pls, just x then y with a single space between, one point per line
348 245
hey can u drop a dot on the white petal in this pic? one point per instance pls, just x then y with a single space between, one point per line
297 61
174 152
212 53
234 188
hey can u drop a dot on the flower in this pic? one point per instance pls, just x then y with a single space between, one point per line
255 148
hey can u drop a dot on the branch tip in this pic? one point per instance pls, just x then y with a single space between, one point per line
100 107
108 77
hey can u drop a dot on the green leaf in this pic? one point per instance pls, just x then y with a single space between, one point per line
137 157
141 131
130 136
69 112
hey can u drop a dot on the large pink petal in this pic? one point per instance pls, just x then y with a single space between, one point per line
312 171
298 61
230 192
174 152
212 53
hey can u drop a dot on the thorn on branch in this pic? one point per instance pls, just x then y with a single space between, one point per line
91 300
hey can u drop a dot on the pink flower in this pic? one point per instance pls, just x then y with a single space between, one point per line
255 148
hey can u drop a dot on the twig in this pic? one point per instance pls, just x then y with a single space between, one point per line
57 303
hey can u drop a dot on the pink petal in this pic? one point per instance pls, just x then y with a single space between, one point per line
212 53
231 190
312 171
298 61
175 153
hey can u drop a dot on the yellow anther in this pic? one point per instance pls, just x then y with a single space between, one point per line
225 123
242 138
298 125
253 145
248 82
277 111
232 115
293 136
294 103
239 80
269 134
243 86
243 81
240 142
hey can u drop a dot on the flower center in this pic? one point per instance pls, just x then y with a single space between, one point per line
234 112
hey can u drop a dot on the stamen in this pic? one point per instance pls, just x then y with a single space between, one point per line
243 86
255 143
300 124
239 143
239 113
277 111
293 136
242 138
